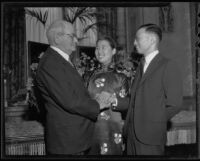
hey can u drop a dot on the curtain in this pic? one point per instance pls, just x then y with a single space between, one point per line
13 50
107 22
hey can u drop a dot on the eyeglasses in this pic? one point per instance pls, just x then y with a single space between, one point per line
73 36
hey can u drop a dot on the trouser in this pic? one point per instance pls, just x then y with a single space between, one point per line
82 153
139 148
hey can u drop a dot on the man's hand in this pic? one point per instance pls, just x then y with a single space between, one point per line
113 100
103 99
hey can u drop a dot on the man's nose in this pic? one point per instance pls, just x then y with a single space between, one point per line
134 43
75 40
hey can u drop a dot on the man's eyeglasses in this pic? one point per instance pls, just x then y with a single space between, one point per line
73 36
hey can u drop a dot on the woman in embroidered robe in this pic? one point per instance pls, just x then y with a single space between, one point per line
107 138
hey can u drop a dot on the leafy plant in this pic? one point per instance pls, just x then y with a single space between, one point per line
85 64
85 15
38 15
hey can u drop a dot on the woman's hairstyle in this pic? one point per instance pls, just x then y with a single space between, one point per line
152 28
110 41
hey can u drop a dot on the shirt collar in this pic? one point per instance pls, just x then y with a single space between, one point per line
63 54
150 56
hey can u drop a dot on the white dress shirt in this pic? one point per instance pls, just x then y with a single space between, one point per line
148 59
63 54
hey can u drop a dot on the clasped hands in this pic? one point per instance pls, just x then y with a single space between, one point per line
105 99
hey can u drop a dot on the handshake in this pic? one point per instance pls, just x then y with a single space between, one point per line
105 99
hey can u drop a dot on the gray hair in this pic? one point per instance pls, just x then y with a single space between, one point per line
57 27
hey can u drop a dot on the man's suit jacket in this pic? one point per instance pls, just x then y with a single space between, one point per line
70 111
155 98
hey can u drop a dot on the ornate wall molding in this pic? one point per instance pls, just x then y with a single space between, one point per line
166 18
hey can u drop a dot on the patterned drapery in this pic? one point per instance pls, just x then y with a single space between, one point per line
14 58
107 22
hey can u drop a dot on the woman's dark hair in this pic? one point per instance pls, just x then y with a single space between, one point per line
153 28
110 41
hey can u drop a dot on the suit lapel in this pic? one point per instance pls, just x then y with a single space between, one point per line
135 83
154 65
134 86
61 59
136 79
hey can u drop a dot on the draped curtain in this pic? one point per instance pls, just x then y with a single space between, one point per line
108 22
13 50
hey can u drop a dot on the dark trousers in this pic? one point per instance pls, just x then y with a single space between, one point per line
82 153
138 148
95 149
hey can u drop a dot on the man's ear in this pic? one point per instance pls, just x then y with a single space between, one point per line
114 51
153 39
57 38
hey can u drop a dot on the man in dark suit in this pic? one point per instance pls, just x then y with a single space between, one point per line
70 111
156 96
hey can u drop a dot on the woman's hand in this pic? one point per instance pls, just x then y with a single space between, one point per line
103 99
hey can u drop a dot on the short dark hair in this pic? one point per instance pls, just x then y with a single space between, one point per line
153 28
110 41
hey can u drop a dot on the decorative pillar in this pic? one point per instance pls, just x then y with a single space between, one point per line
121 27
198 78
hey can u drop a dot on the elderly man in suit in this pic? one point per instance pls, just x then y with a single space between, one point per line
156 96
70 111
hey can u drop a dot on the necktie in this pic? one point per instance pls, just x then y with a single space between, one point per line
145 66
71 63
142 66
